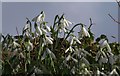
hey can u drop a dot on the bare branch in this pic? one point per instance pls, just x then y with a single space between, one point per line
114 19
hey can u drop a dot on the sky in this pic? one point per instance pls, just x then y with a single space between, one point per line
58 0
14 15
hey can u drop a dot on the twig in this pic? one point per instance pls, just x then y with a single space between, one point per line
114 19
91 23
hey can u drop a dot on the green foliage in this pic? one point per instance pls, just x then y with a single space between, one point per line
43 51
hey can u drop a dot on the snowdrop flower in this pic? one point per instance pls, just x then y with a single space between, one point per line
98 55
48 40
40 17
44 55
111 58
85 61
21 55
69 49
103 60
84 32
99 73
48 51
104 43
113 72
87 72
38 30
68 58
63 24
73 70
47 28
43 31
27 28
74 39
30 46
75 60
15 44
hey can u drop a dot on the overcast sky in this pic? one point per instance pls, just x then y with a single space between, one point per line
14 14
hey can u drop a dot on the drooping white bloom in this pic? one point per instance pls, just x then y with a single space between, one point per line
15 44
111 58
74 39
43 31
51 53
113 72
73 70
98 72
69 49
68 58
48 40
63 24
87 72
41 17
85 60
27 28
44 55
103 60
84 32
48 28
29 46
104 43
71 42
98 55
38 30
75 60
21 55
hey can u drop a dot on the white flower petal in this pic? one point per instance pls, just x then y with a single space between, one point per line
75 60
113 72
29 46
41 17
16 44
51 53
68 58
104 43
77 40
85 32
71 41
48 40
97 55
44 55
48 28
85 61
44 31
66 50
38 30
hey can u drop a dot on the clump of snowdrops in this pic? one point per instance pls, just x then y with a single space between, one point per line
56 50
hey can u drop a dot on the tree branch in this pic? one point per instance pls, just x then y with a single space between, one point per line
113 19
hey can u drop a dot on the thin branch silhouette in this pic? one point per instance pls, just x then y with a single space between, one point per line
113 19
